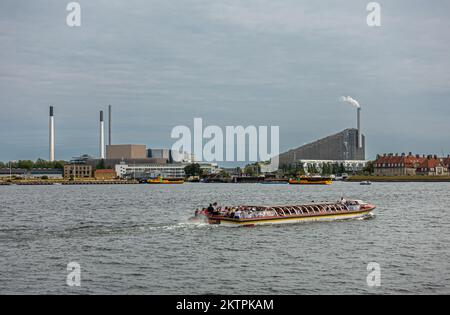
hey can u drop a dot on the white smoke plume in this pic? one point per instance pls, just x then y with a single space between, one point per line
350 100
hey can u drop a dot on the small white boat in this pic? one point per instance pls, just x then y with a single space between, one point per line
366 183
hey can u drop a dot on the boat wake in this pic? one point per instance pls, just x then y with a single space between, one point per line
369 216
93 230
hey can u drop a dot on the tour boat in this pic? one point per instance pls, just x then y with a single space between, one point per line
168 181
256 215
311 180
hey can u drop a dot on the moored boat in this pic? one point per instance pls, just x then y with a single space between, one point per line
311 180
258 215
167 181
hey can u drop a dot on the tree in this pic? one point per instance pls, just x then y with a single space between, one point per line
193 170
249 170
326 169
370 167
101 165
59 165
300 170
26 164
224 174
342 168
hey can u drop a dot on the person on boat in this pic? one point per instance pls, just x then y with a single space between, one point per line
216 209
210 209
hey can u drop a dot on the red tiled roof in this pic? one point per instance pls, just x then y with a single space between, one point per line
105 171
430 163
407 161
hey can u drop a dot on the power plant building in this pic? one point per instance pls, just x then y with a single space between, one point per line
126 152
340 147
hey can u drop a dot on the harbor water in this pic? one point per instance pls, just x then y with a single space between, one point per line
136 239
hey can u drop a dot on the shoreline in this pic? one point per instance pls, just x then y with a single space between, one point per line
400 179
66 182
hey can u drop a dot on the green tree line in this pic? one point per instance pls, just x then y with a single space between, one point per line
28 164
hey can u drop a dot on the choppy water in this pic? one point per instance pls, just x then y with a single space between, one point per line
135 239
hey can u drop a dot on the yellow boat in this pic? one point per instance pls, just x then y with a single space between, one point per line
311 180
166 181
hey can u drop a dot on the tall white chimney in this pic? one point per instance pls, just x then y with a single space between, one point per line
360 144
51 136
109 124
102 136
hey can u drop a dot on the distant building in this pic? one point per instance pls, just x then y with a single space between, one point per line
105 174
159 153
410 165
397 165
343 146
81 159
126 151
77 171
170 155
174 170
446 162
348 165
433 167
146 171
111 163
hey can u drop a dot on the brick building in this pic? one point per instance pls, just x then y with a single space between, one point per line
105 174
77 171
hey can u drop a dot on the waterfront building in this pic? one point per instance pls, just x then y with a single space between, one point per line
174 170
105 174
77 171
433 167
146 171
348 165
410 165
446 162
343 146
397 165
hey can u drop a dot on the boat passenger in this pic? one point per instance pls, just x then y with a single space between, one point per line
210 209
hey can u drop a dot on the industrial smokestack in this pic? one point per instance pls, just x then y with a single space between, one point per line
51 136
102 136
109 124
353 102
360 144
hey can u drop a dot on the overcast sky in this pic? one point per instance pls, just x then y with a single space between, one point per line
161 63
